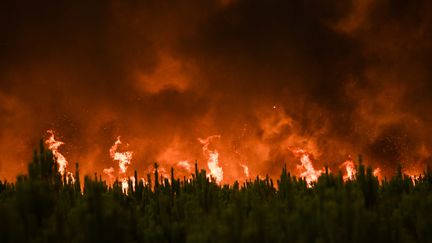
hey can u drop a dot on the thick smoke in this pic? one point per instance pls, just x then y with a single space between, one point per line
334 78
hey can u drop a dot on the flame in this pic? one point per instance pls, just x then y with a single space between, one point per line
71 177
350 169
125 185
309 173
412 171
216 171
124 160
306 167
245 170
133 182
54 145
377 172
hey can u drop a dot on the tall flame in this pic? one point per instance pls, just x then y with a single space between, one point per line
125 185
350 169
216 171
124 160
377 173
245 170
54 145
306 166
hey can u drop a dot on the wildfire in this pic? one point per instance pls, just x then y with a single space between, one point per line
245 170
350 169
216 171
377 172
133 182
125 185
124 160
62 163
306 166
54 145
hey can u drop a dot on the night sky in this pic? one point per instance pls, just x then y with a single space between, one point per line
335 78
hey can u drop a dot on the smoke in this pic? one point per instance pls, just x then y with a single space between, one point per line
335 79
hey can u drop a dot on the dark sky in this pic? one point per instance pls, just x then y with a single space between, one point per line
336 78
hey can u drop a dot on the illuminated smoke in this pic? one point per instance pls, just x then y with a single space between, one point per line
54 145
110 173
185 165
216 171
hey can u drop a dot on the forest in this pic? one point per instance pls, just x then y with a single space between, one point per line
44 206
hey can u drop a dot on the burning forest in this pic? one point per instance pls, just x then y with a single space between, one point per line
157 98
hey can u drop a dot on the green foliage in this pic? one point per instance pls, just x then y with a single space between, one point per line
43 206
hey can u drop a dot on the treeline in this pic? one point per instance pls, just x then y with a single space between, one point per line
43 206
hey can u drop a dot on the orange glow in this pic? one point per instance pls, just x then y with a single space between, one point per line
412 172
110 173
170 74
185 165
377 173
